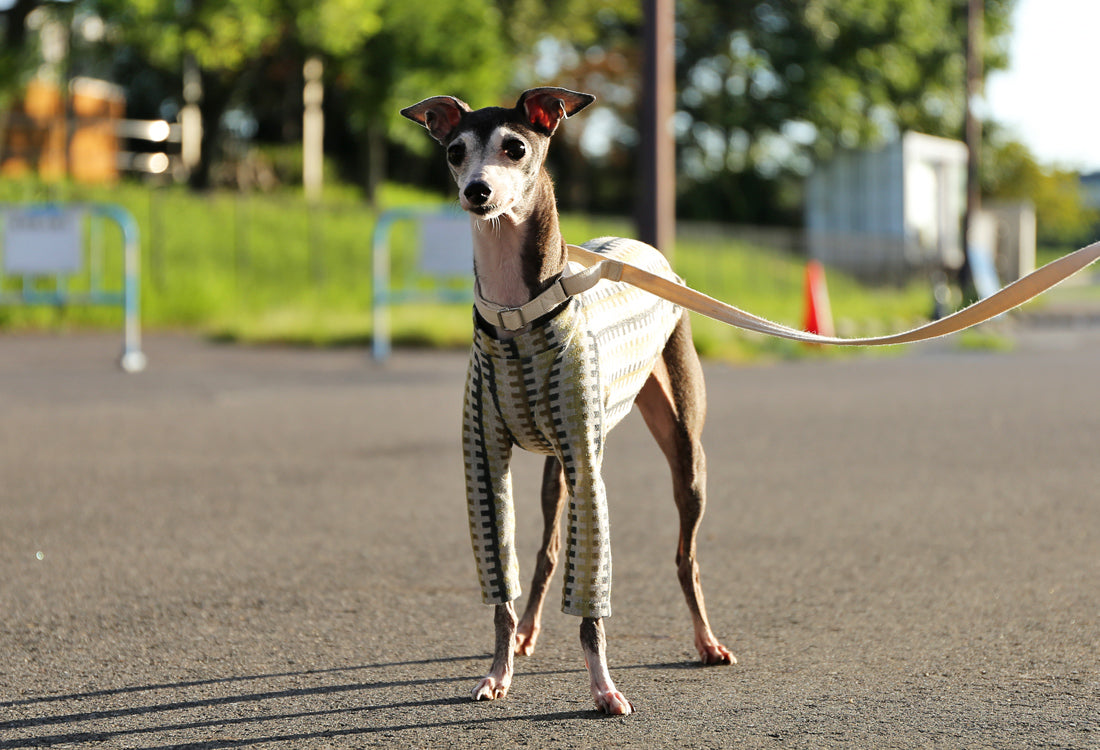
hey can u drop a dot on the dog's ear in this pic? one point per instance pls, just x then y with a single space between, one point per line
545 107
439 114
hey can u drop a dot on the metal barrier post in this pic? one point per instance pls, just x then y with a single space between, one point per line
382 293
380 282
132 358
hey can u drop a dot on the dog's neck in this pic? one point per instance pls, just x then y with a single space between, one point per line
520 253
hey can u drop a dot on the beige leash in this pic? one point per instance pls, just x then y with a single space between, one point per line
1013 295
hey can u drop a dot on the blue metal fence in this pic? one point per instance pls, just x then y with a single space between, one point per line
445 251
54 254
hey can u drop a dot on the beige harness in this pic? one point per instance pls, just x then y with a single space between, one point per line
599 267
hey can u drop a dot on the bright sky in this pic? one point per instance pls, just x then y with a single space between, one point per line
1050 97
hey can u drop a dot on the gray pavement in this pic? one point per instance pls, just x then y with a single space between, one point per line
268 548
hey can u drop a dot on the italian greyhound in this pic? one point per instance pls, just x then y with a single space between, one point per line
553 377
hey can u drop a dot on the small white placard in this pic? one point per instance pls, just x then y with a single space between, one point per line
42 241
446 245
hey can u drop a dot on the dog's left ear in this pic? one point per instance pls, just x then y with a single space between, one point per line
545 107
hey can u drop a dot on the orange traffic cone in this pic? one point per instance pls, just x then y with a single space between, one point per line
819 316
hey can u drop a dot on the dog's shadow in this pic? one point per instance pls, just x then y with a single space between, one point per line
54 719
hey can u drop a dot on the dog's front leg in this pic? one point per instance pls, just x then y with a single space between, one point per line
608 698
495 684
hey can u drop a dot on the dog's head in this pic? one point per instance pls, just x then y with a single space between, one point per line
496 153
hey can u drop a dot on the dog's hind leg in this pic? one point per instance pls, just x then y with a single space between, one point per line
553 500
673 404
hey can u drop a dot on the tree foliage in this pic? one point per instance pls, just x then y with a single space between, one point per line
378 55
424 49
421 50
582 23
226 37
233 43
766 87
1010 173
15 53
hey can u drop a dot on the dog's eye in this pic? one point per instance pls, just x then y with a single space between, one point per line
456 152
514 149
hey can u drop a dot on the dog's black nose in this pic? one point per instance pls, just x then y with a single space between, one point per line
478 193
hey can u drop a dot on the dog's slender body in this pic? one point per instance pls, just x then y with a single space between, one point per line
497 158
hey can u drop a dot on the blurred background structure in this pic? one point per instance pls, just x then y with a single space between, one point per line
789 120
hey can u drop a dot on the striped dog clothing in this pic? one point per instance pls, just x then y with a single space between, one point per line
558 389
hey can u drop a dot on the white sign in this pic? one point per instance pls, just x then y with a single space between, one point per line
446 245
42 241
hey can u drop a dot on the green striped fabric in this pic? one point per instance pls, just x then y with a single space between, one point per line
558 389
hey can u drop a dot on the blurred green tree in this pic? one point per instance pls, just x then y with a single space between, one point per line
484 52
15 52
379 55
453 47
229 41
583 23
1011 173
768 86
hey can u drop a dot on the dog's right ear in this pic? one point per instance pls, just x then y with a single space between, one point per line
439 114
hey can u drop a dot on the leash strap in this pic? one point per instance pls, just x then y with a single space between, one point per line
1012 296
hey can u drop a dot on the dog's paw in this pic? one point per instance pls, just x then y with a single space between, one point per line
608 698
613 703
526 636
490 688
713 652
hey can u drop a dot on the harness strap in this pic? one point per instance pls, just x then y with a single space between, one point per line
514 318
1012 296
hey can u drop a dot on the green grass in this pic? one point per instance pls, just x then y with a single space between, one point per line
771 284
984 339
270 268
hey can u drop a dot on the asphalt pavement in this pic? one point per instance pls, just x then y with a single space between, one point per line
267 547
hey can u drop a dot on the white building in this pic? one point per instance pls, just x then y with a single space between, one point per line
889 213
1090 186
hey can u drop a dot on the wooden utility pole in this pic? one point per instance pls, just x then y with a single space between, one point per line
656 220
975 21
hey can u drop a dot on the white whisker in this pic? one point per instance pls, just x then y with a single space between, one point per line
491 225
